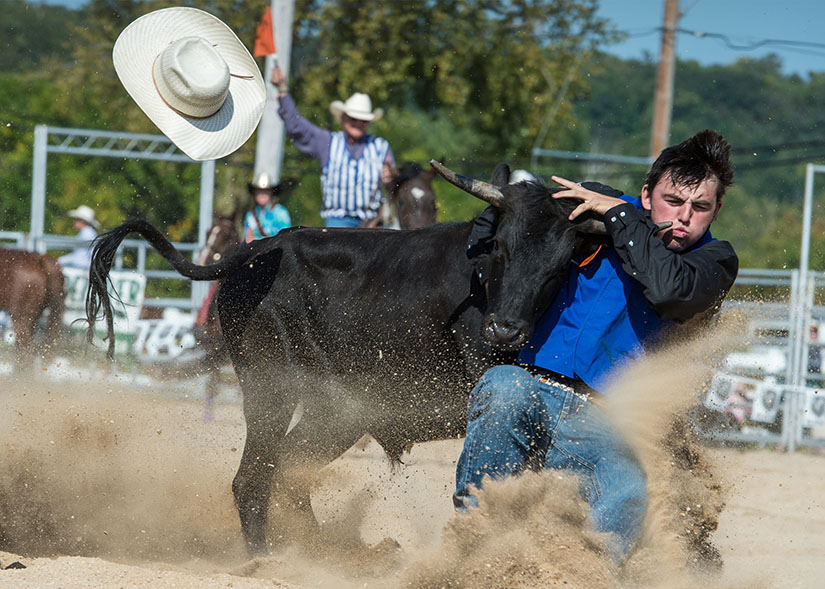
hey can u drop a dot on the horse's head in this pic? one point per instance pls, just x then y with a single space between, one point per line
412 196
221 239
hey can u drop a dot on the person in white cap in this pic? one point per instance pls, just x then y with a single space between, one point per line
354 164
267 216
86 225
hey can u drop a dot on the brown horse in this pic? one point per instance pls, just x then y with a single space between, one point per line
411 197
31 284
221 240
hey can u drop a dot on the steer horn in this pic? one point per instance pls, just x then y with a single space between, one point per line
483 190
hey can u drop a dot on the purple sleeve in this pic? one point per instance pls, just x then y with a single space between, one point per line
308 138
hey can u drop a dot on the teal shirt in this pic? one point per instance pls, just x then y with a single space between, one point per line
273 218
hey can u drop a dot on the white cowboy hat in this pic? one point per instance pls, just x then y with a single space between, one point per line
85 214
262 181
358 106
193 77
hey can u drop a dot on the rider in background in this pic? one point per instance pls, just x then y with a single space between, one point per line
267 216
354 164
86 225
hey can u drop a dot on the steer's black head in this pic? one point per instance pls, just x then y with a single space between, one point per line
534 244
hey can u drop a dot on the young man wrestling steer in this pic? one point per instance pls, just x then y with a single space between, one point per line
545 411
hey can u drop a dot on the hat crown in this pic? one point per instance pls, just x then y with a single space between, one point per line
262 181
358 103
192 77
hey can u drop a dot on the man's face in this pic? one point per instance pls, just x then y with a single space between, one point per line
691 210
355 129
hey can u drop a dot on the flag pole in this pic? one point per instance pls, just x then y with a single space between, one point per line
269 151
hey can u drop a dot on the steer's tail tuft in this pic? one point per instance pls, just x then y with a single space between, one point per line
106 246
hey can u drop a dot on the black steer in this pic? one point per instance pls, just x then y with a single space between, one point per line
368 331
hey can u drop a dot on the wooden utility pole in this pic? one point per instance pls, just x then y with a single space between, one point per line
269 153
663 100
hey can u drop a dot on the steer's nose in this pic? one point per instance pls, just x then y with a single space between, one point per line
505 334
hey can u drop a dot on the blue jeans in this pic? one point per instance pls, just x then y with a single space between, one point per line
516 422
342 222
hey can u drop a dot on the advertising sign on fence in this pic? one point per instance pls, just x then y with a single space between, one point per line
127 299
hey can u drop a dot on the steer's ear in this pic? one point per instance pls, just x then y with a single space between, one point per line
501 175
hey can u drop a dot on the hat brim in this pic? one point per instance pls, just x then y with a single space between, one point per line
274 189
212 137
337 108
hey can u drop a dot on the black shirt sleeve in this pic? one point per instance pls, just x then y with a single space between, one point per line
677 285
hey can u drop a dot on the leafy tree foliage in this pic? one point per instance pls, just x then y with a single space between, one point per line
473 81
30 33
489 65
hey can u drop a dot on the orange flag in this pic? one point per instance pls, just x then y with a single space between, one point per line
264 41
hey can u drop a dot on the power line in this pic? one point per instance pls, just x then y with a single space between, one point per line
756 44
807 47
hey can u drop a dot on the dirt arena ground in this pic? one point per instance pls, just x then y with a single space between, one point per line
104 486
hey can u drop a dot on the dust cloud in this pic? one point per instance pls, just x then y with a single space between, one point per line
89 470
115 475
533 531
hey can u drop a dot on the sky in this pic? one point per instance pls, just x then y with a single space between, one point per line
740 22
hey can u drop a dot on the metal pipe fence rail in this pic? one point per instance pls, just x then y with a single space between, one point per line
777 383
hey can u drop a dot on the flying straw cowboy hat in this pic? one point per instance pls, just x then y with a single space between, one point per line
193 77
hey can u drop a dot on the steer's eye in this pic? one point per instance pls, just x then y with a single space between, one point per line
496 246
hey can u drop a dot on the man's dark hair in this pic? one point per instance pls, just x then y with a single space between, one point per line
705 155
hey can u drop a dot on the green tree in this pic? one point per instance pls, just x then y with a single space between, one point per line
32 32
490 65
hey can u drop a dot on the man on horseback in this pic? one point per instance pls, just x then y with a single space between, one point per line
267 216
354 164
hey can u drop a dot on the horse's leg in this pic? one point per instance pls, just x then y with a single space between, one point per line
24 319
27 298
55 301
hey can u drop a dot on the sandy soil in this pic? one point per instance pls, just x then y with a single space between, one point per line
104 487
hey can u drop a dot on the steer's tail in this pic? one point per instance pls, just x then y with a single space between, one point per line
106 245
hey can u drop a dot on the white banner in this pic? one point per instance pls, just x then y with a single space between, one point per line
129 287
